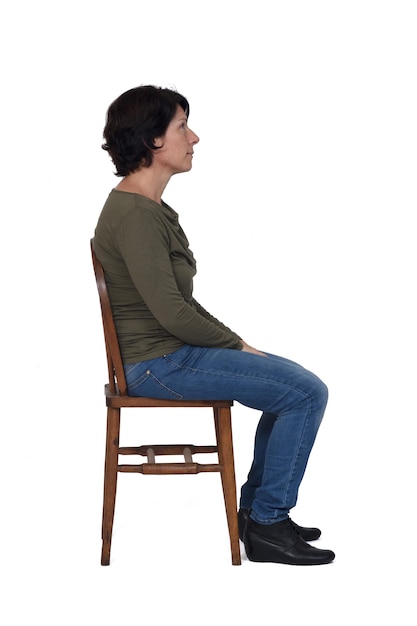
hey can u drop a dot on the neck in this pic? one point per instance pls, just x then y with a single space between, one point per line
146 182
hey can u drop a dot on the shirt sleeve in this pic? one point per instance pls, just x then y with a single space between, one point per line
144 246
213 319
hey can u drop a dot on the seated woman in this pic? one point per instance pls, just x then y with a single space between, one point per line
173 348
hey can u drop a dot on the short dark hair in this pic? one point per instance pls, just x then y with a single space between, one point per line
134 120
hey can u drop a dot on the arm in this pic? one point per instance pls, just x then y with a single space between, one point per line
213 319
245 347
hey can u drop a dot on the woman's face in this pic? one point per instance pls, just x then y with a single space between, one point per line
176 147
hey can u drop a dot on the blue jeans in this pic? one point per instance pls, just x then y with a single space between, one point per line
291 398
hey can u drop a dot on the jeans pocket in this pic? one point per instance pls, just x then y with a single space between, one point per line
148 383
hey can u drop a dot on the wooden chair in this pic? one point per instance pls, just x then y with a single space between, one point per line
118 398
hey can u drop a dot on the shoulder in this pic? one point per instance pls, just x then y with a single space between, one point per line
128 208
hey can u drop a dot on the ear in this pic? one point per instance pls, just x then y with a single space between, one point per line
158 142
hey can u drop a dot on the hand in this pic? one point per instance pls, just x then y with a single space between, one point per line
248 348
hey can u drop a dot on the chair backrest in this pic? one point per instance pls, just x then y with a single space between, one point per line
117 380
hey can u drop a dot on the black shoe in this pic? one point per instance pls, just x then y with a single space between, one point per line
281 543
308 534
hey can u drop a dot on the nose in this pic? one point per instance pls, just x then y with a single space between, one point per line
193 137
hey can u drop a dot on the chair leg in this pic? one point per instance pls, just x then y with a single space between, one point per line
223 425
110 481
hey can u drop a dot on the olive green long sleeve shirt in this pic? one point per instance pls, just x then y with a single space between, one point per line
149 270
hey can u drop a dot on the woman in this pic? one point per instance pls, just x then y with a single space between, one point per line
173 348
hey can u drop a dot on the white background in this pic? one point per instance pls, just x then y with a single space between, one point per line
299 209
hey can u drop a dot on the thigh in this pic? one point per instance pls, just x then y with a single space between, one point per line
268 383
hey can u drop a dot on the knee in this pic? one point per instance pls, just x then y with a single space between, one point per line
319 391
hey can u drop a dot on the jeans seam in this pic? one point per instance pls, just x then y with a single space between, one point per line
161 384
297 455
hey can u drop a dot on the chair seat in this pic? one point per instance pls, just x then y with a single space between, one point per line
114 399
